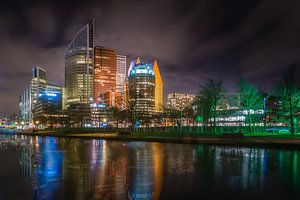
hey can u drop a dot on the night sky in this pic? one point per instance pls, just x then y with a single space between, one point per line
192 40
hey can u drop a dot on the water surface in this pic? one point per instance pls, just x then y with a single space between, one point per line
63 168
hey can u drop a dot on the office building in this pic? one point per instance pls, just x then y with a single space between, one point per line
158 87
29 96
141 89
48 109
38 84
104 74
25 105
179 101
158 82
40 98
120 79
79 67
101 115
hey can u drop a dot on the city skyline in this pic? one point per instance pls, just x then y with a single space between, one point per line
190 49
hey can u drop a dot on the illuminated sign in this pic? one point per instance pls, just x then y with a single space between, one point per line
98 105
48 94
51 94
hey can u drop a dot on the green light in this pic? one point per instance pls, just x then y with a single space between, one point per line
295 120
199 118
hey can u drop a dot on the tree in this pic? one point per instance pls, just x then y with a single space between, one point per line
170 115
287 90
208 99
188 114
132 113
251 100
129 110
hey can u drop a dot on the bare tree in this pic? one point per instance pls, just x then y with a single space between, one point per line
287 90
208 99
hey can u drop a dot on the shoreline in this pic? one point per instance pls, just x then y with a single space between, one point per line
260 142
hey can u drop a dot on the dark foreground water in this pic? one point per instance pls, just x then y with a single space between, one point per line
52 168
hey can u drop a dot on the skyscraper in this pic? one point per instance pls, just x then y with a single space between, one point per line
120 78
158 87
79 66
25 105
141 89
29 96
104 75
38 84
158 92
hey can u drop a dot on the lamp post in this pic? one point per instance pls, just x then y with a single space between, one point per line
37 124
104 124
22 125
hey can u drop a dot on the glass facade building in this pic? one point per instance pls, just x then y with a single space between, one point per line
38 84
79 66
29 96
158 88
120 79
39 98
158 82
49 102
141 89
25 105
104 74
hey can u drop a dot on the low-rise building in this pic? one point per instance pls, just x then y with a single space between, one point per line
179 101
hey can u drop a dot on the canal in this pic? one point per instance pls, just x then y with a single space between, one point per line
66 168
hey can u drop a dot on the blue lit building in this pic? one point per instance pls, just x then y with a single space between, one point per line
48 109
52 97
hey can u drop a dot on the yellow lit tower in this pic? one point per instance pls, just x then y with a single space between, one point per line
158 88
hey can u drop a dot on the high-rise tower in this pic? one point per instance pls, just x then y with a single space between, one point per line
104 75
30 95
120 79
158 94
79 66
141 89
158 88
38 84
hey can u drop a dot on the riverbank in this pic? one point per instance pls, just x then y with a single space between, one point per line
248 140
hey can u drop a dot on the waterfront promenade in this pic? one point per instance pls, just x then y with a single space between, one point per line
248 140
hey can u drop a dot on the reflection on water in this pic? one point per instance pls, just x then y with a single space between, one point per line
96 169
41 163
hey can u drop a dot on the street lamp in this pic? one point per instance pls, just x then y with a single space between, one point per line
104 124
37 124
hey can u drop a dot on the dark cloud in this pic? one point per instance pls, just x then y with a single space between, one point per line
192 40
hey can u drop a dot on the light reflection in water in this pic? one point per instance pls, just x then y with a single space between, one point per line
41 162
95 169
